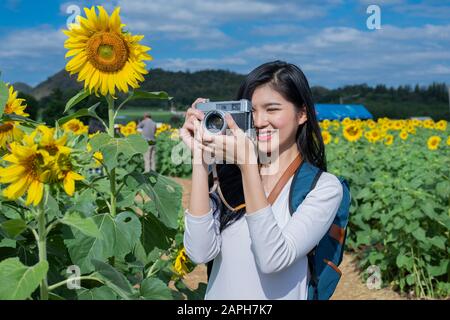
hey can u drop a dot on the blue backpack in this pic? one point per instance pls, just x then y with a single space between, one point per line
325 258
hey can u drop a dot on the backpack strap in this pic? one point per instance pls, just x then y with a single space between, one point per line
284 179
308 175
304 181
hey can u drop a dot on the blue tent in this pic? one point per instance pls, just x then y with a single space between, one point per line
341 111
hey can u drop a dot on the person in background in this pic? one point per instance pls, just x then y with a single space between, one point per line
147 127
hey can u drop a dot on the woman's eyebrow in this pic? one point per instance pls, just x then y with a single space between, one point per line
265 105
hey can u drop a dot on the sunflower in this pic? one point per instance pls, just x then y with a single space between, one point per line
374 135
388 139
132 124
98 156
403 135
50 143
441 125
371 124
175 134
180 264
163 128
28 172
428 124
9 132
433 142
448 140
352 132
385 127
76 126
325 124
104 56
346 121
130 128
326 136
63 170
15 105
411 129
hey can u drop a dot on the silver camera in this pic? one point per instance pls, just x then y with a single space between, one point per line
214 121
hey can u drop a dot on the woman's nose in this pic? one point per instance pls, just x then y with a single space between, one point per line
260 119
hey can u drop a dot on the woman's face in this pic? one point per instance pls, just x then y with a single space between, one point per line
275 119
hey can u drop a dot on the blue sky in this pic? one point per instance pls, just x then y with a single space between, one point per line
328 39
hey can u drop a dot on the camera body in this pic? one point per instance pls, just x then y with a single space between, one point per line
214 121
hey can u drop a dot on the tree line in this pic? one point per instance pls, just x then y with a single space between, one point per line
394 102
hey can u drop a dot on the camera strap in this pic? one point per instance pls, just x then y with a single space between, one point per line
216 186
289 172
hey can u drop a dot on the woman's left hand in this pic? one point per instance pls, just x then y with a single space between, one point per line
236 148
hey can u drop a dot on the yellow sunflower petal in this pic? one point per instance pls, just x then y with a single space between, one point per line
69 185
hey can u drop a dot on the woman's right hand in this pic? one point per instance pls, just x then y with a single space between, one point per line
192 119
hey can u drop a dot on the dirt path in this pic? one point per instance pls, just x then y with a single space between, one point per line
350 287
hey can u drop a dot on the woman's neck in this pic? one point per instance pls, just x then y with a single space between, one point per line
279 164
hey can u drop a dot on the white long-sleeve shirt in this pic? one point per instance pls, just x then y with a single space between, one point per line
263 255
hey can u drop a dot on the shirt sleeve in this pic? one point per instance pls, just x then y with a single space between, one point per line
277 248
202 239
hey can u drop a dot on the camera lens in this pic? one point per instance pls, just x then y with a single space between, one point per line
214 122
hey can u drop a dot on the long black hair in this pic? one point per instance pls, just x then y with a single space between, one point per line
289 81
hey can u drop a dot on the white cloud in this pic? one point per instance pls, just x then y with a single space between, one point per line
194 64
202 20
343 55
31 55
437 10
32 42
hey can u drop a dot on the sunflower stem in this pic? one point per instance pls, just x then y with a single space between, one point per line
112 178
42 247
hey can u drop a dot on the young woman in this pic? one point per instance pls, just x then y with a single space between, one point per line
259 250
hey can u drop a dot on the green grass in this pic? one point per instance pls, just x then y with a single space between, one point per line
136 114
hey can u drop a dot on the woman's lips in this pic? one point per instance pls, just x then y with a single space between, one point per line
265 136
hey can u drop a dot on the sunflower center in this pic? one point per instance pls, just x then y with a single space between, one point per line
52 149
8 109
107 51
6 127
74 127
352 131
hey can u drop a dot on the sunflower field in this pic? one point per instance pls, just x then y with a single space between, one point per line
79 219
400 217
398 172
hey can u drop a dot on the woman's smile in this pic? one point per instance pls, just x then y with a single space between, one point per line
264 135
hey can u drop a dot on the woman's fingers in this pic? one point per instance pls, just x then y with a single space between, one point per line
194 111
209 148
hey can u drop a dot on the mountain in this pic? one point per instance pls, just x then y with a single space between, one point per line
22 87
214 84
61 80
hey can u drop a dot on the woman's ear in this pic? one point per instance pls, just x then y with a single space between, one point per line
302 117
